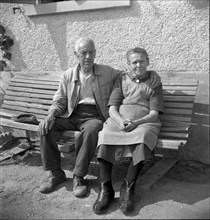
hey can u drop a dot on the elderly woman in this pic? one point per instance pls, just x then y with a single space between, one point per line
134 106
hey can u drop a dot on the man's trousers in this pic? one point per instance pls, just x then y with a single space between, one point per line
85 119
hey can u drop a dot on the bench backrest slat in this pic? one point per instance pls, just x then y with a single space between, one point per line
30 90
178 111
180 87
15 85
46 79
51 81
164 118
26 110
177 98
178 105
179 92
30 100
28 94
27 105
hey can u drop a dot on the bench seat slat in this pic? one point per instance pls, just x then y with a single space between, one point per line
22 126
170 144
162 143
172 134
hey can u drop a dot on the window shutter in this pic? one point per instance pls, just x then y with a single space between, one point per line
35 2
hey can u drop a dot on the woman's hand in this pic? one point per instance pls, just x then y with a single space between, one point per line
129 125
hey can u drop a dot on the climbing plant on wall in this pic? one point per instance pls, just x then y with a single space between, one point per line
5 43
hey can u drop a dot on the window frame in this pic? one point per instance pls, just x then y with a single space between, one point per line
72 6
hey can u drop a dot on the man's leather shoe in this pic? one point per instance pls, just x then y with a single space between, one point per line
56 177
79 188
105 197
126 200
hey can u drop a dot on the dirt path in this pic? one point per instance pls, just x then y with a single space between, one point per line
183 193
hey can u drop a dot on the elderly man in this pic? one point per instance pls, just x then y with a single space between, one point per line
80 103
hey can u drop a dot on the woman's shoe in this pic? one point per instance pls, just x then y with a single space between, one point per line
105 196
126 200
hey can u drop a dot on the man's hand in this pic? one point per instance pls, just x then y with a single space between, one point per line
47 124
155 79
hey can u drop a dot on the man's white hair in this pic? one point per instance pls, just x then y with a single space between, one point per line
82 41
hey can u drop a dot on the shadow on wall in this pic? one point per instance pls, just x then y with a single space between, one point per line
197 147
4 80
199 4
58 33
58 27
17 62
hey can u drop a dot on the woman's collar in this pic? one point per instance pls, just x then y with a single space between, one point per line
138 78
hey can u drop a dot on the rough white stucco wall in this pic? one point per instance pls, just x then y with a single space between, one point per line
175 33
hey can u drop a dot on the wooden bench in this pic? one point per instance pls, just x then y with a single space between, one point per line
31 94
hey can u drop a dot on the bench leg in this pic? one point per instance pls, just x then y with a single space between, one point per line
28 138
156 172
